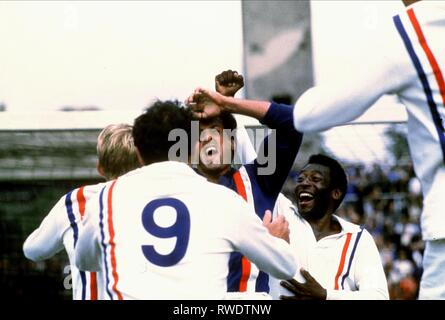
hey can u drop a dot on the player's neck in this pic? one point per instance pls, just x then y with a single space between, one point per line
214 175
324 226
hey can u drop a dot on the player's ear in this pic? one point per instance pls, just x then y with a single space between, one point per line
140 159
99 168
336 194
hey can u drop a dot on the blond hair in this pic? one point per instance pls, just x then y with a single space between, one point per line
116 150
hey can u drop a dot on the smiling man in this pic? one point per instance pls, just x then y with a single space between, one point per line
340 259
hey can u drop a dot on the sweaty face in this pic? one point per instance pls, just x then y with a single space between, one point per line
312 191
215 148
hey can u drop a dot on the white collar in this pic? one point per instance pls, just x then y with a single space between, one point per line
346 226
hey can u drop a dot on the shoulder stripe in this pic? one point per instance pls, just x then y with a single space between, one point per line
240 185
112 243
71 217
342 260
248 188
83 278
81 201
432 60
423 79
102 234
245 274
357 239
245 264
73 224
93 286
249 272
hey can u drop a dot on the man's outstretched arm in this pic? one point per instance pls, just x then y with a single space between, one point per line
207 104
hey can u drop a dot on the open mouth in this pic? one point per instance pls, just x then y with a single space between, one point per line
305 197
210 151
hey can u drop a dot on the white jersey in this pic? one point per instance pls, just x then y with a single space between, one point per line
408 61
60 229
346 264
164 232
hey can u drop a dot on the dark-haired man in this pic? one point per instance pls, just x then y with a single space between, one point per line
340 260
259 186
157 237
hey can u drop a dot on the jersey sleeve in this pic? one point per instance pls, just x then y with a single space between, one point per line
278 150
370 277
386 71
47 239
248 236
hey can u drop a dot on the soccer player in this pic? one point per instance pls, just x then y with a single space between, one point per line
340 259
409 61
216 150
164 232
60 228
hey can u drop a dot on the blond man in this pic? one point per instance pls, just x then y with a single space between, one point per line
60 228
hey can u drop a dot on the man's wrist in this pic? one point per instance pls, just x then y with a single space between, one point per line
227 104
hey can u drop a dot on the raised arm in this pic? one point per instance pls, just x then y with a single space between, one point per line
206 104
277 153
228 83
321 108
386 70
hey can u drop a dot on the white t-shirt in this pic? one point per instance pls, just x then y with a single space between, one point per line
409 61
346 264
60 229
164 232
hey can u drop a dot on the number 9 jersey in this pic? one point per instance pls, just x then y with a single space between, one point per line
164 232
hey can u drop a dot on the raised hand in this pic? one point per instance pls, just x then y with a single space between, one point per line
278 227
309 290
205 103
228 83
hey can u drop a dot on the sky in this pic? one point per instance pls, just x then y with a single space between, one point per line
340 30
122 55
110 54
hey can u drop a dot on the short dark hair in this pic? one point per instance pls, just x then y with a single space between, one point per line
338 178
227 119
151 129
